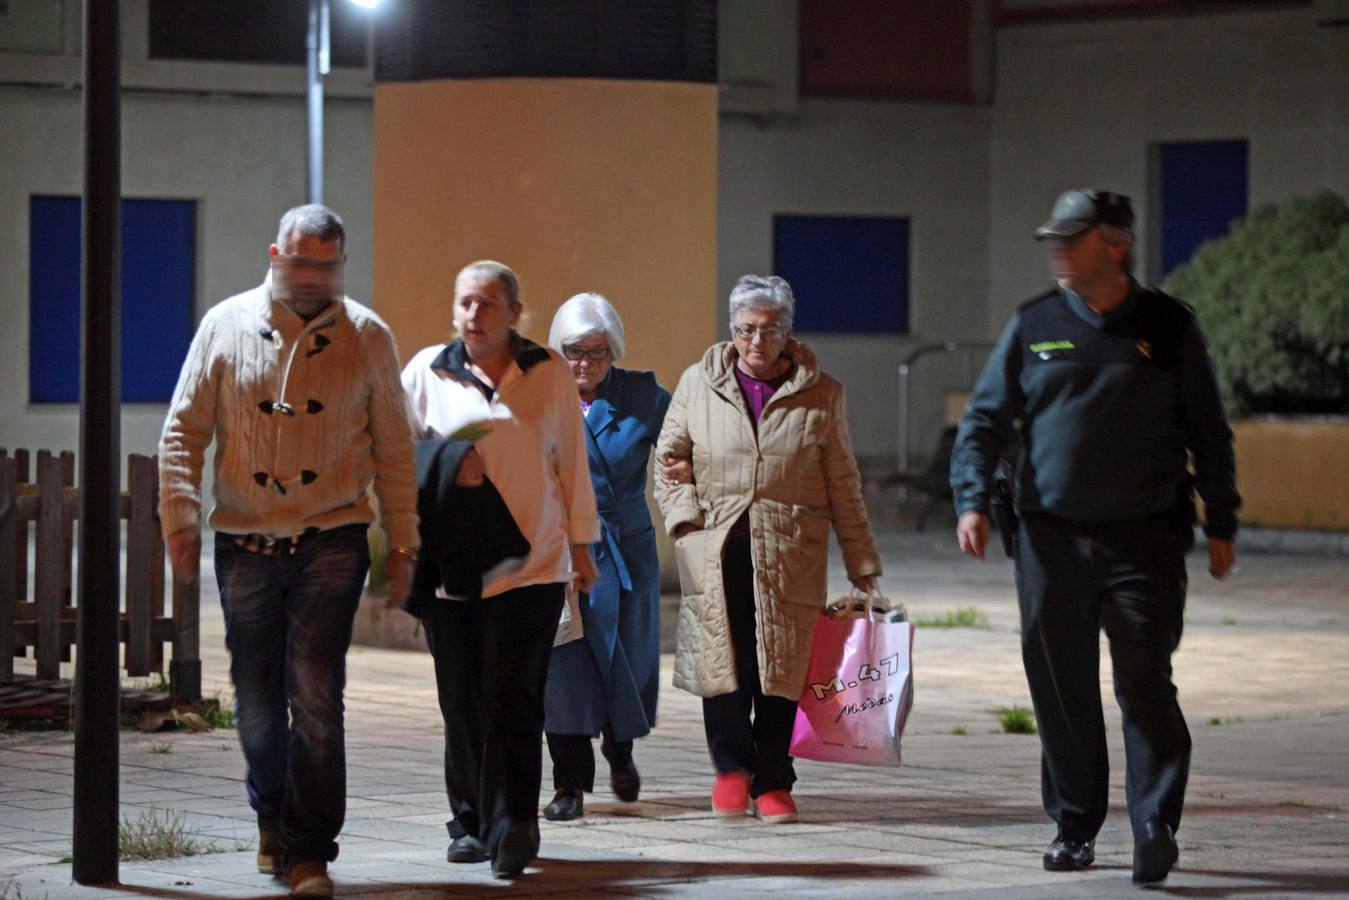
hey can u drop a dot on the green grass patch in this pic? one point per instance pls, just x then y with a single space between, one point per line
1231 720
960 730
965 617
161 748
159 834
1017 720
1228 620
219 717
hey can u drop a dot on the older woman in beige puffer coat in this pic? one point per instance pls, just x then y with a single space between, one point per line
757 463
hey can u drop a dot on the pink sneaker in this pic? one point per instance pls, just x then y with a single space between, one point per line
730 794
776 808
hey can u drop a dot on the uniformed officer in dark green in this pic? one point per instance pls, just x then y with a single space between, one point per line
1105 390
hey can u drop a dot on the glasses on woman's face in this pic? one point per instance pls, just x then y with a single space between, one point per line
748 332
577 353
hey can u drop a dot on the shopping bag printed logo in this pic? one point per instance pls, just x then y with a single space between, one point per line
867 672
858 692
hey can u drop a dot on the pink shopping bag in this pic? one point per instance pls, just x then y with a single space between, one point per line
859 687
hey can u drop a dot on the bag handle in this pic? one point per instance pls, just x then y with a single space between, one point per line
870 603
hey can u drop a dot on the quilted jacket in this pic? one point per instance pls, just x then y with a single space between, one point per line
796 477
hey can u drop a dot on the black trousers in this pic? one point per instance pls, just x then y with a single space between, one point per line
738 743
491 661
1129 577
574 758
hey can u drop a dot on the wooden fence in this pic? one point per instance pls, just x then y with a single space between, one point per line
47 508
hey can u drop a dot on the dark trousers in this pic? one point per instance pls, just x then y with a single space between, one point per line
1072 580
748 730
288 621
491 659
574 758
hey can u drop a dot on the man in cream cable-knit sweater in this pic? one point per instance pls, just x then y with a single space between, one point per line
298 385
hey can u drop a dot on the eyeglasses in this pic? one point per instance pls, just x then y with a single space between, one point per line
577 353
747 332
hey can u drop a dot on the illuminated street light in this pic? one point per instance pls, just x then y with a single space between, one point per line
319 63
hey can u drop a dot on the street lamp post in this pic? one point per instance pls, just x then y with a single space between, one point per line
318 62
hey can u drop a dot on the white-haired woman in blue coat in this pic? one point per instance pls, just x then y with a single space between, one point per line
605 684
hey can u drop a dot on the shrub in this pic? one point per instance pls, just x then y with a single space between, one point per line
1272 299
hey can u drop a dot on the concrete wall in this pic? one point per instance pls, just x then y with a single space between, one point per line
1079 105
241 159
927 162
1074 104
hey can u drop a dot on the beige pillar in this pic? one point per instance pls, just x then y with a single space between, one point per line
583 184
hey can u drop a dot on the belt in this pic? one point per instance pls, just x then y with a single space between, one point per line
267 545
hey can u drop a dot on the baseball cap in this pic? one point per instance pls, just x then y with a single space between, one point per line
1076 211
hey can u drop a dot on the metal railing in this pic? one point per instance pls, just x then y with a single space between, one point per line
967 350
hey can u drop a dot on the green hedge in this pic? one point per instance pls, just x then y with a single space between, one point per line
1273 300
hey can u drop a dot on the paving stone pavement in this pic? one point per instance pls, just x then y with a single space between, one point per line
1262 673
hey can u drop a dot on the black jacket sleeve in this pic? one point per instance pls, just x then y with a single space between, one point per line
989 426
1208 437
465 531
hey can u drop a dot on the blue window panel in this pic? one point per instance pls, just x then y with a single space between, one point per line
850 274
1204 187
158 278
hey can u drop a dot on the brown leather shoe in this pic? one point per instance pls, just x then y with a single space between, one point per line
269 852
309 878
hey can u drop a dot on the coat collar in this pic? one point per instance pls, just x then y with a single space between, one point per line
604 408
453 359
281 317
719 369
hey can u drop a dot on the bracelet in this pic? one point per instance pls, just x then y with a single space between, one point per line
409 552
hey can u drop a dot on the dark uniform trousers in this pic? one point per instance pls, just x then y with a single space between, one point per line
1073 578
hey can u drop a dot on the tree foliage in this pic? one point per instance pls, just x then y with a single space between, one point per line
1273 300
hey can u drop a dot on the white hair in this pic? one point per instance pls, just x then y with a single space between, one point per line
764 292
582 316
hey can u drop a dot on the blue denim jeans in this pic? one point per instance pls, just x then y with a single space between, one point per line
288 620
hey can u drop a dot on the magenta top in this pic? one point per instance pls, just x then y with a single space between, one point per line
757 393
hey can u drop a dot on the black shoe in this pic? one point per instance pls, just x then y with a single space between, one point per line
1155 852
466 849
626 782
517 849
1069 856
567 804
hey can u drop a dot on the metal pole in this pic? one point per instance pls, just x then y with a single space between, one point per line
314 41
97 690
903 418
